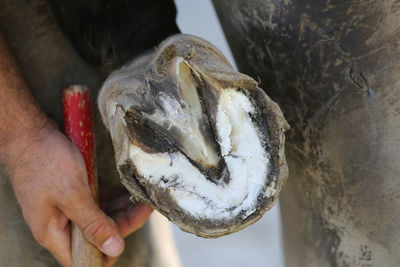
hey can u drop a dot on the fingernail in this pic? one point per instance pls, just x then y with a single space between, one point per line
113 246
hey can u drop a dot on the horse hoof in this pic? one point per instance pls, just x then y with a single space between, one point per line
195 139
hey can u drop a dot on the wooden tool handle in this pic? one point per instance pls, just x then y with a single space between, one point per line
78 122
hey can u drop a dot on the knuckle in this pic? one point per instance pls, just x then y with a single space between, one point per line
92 229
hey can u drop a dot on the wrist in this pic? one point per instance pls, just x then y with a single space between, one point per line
23 138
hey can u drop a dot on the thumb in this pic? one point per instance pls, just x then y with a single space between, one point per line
96 226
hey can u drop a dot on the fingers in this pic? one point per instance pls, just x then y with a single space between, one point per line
54 235
132 218
96 226
60 243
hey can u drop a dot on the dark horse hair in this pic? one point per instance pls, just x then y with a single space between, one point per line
108 33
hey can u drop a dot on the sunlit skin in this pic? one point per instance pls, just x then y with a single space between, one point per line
49 182
48 175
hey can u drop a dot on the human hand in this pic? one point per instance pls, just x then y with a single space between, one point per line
49 179
129 216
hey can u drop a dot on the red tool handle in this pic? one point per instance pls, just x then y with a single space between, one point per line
78 123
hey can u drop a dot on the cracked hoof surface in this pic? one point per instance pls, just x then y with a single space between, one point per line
195 139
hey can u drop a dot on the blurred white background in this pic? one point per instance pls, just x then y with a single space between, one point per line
259 245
